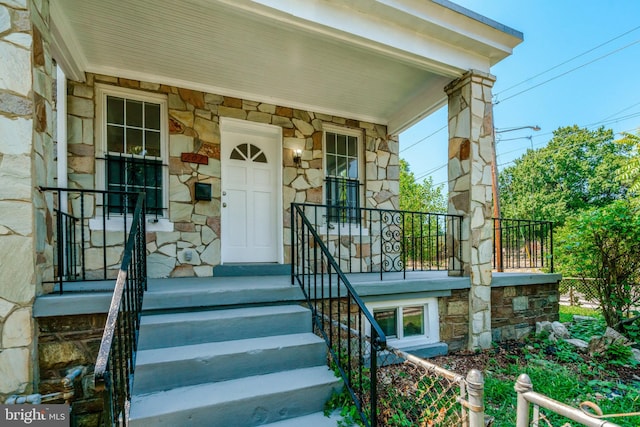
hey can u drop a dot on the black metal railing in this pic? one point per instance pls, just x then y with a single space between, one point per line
522 244
379 240
86 248
132 174
113 373
343 199
66 245
353 337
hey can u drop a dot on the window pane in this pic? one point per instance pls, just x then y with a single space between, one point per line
115 110
152 116
134 141
261 158
152 143
341 145
413 321
330 143
352 146
331 165
135 174
254 150
115 139
236 155
353 169
134 113
387 319
341 167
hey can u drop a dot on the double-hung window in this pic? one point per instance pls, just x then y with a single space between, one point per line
134 146
342 174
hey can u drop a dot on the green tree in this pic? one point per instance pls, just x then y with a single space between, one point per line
630 170
576 170
419 197
603 245
423 234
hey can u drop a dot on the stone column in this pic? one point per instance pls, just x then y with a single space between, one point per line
26 159
471 140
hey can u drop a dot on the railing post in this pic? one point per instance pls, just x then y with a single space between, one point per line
551 244
375 347
292 242
523 385
475 389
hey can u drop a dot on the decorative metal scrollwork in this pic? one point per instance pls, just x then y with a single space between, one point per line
391 241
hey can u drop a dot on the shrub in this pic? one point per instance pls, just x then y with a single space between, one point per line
604 244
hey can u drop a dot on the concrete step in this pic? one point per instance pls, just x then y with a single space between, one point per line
318 419
178 329
165 368
254 269
243 402
197 292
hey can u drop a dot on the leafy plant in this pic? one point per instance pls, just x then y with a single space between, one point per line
618 353
604 244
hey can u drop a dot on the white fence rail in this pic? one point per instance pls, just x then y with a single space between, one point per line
526 395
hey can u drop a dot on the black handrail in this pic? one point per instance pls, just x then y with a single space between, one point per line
72 243
353 336
522 244
113 373
385 240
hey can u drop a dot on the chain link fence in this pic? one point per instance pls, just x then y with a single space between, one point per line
577 291
415 392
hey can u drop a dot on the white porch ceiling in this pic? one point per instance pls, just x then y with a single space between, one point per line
384 61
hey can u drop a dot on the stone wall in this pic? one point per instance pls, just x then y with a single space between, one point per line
26 162
454 319
194 128
471 149
516 309
66 342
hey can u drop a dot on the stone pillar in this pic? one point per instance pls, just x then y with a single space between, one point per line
471 140
26 160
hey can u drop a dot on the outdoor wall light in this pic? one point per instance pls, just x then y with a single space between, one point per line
297 157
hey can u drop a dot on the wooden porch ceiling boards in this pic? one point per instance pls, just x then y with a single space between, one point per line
378 61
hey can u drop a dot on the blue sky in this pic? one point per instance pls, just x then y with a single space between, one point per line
598 92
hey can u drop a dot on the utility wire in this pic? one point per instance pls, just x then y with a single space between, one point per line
606 120
568 60
423 139
541 143
567 72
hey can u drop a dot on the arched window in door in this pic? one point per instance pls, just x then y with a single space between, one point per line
248 152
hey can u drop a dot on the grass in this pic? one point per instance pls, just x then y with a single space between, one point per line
558 371
567 312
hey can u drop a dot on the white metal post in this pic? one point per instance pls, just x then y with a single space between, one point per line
475 389
523 385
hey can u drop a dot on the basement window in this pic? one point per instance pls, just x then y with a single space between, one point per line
408 322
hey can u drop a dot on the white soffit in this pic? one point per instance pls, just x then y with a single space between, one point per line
383 61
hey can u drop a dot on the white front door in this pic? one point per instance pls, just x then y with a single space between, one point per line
250 182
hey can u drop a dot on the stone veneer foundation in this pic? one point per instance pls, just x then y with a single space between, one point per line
26 162
194 128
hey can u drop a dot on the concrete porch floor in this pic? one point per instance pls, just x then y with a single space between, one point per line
95 296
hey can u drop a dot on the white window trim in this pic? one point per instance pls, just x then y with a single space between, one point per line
161 223
350 228
431 329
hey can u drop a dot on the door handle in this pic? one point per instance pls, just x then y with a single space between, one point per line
224 193
224 205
